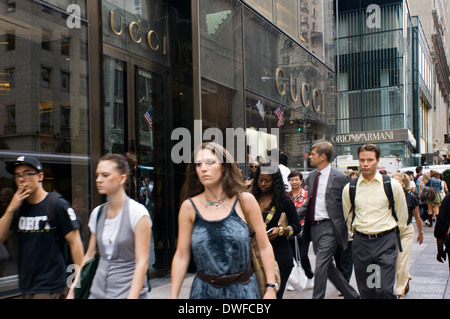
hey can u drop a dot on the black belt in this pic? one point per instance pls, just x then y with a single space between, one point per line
317 222
375 236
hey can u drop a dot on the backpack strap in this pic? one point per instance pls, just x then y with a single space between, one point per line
352 194
390 195
50 208
100 210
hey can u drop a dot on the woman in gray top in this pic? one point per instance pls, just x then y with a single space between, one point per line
121 235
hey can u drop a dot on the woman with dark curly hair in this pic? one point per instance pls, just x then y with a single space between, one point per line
269 191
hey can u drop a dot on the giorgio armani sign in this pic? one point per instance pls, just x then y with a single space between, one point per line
374 137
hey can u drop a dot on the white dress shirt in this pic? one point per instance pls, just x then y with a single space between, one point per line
321 208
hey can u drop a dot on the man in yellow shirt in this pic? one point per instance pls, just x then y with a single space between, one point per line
375 241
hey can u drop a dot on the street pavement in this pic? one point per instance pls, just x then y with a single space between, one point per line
430 278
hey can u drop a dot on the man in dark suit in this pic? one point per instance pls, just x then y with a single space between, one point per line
325 224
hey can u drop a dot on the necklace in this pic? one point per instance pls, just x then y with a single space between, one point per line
217 203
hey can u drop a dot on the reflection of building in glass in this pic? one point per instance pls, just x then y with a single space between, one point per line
311 25
271 70
46 100
44 104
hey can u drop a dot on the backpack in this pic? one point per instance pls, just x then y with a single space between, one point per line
423 195
390 196
61 241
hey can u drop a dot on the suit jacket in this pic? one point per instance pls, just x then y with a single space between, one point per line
333 201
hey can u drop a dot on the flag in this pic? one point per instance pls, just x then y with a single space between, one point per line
279 113
260 107
148 117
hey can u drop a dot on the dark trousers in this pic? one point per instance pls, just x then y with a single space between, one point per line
374 262
285 272
344 261
325 245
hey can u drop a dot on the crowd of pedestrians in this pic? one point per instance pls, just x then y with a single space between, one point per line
357 221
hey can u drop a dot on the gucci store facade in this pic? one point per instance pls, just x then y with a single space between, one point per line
79 79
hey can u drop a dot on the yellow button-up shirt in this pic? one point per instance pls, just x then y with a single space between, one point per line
372 206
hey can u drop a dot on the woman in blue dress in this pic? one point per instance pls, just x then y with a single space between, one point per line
212 226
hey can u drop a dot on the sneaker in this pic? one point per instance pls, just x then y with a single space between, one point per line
309 283
427 222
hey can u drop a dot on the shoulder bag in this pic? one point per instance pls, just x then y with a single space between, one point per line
256 258
87 272
430 193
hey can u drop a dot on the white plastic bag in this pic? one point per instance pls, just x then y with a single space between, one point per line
297 279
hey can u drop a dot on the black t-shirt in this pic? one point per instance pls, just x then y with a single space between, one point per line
41 261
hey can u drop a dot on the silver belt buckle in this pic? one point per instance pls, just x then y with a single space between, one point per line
373 236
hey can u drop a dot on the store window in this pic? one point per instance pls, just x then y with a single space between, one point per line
265 7
44 114
221 45
309 22
282 76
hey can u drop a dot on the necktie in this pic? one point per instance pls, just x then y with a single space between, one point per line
312 200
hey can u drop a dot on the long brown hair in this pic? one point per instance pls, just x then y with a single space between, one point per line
232 179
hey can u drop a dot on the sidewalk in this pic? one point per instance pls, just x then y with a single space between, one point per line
430 278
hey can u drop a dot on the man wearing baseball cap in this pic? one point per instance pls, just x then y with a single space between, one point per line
41 261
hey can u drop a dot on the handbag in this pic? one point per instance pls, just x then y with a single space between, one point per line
430 193
423 197
87 272
297 280
256 258
283 221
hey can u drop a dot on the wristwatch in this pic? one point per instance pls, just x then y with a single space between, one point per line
275 285
281 231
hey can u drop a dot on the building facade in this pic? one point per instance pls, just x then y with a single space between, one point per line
374 45
81 79
434 18
393 79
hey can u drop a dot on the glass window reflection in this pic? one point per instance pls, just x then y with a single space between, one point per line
45 115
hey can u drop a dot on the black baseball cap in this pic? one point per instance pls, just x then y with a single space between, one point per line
24 160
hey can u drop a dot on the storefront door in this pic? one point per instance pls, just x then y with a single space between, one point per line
134 112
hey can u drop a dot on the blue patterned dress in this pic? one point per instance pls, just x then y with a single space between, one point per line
221 247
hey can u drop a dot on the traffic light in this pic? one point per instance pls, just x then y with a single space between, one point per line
299 129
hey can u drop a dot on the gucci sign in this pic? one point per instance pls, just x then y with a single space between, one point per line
309 98
152 38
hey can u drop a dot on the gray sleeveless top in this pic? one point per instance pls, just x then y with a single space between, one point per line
114 276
